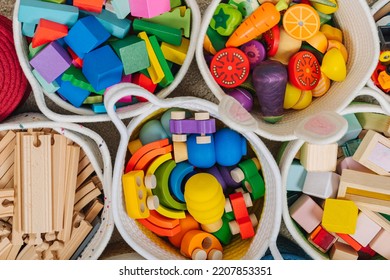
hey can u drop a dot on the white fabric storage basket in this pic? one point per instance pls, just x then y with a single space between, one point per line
285 162
96 150
376 9
84 115
362 44
149 245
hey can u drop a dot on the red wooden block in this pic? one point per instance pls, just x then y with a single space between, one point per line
145 82
94 6
322 239
366 253
352 242
238 205
76 61
159 230
48 31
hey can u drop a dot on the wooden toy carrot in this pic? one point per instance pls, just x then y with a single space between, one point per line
262 19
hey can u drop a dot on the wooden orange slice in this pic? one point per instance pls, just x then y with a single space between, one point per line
301 21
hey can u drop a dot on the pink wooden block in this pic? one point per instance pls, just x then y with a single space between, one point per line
321 184
149 8
306 212
381 244
126 99
366 229
350 163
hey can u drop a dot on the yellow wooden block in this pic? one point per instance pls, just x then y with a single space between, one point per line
155 71
340 216
134 145
176 54
135 194
170 213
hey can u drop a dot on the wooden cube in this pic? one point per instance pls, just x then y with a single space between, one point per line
321 184
342 251
319 157
381 244
366 229
322 239
340 216
296 177
306 213
354 129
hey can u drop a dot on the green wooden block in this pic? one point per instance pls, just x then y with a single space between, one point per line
133 54
77 78
349 148
168 76
174 19
216 40
34 51
93 99
175 3
163 33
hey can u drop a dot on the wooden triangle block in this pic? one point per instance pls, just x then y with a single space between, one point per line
48 31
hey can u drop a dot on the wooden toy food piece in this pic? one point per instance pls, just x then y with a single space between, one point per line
255 51
270 79
304 70
205 200
301 21
230 67
286 48
246 7
334 65
200 245
225 20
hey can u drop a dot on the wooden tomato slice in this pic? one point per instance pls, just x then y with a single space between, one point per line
230 67
271 39
304 70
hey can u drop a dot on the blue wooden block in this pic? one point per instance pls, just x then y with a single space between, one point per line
296 177
121 8
87 34
115 26
31 11
74 95
28 29
102 68
99 108
354 129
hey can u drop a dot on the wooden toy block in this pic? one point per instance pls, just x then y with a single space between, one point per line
368 190
115 26
366 229
198 245
121 8
163 33
84 174
166 198
321 184
322 239
168 76
149 8
47 87
376 217
170 213
31 11
102 68
84 190
350 163
340 216
374 153
34 51
51 61
180 152
17 233
175 19
380 244
296 177
85 200
93 99
6 155
72 160
155 71
349 148
28 29
138 203
5 248
176 179
354 129
77 78
95 6
83 161
342 251
186 224
133 53
176 54
319 157
6 202
96 225
374 121
247 172
143 150
93 211
74 95
48 31
76 60
306 212
160 231
350 241
145 82
87 34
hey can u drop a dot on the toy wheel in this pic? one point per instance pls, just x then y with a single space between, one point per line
203 139
304 71
153 202
179 137
272 39
202 116
199 254
215 254
178 115
301 21
150 181
230 67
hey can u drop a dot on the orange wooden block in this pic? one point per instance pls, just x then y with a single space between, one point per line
352 242
94 6
142 151
186 224
48 31
162 221
159 230
144 162
198 245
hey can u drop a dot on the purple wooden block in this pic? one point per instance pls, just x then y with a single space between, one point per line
51 61
217 174
225 172
192 126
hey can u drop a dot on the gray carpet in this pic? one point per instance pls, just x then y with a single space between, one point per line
192 84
